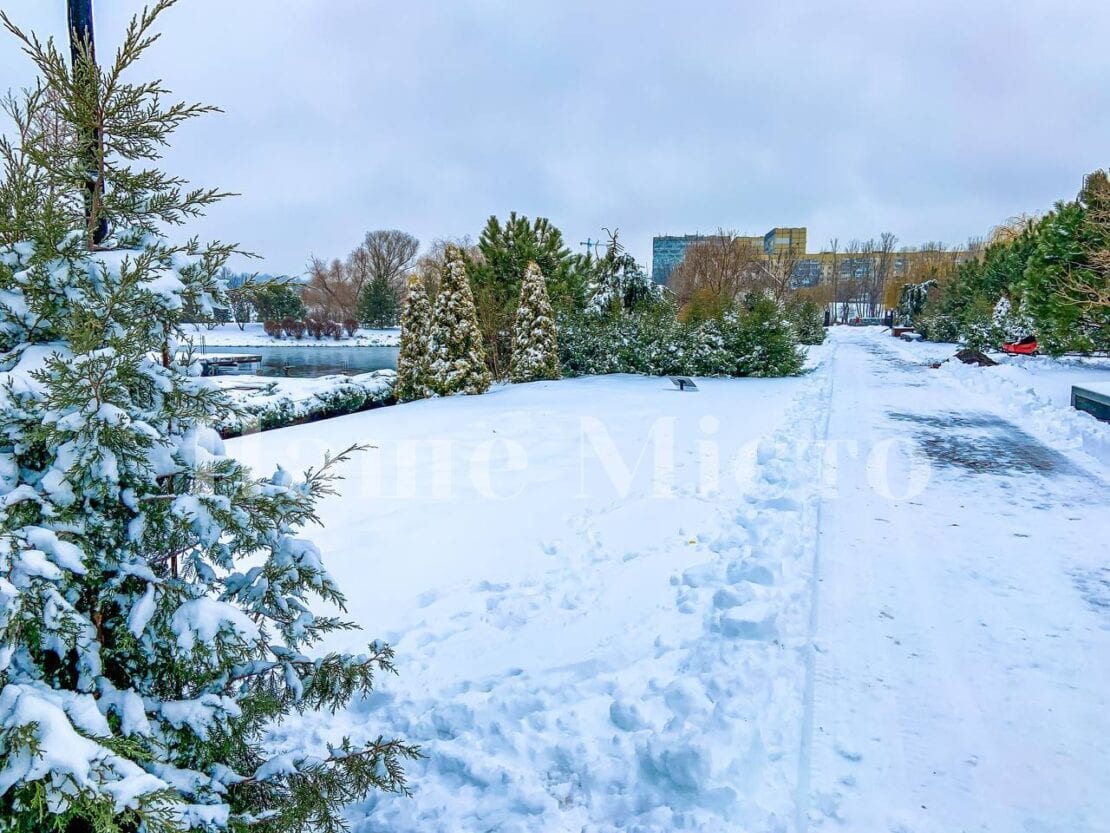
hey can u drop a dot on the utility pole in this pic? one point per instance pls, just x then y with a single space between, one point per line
83 57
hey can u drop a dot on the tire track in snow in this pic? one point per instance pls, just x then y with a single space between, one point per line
805 750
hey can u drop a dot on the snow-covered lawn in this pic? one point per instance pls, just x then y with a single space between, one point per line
565 634
252 335
863 599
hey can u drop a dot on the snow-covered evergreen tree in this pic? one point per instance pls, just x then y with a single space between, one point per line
535 343
618 283
377 305
458 359
141 659
1008 324
413 360
911 300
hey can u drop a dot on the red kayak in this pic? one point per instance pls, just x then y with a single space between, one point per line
1026 347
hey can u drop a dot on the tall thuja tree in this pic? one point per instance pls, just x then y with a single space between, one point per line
535 343
458 360
140 659
504 252
413 360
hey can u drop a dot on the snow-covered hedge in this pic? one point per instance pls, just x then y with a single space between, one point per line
274 405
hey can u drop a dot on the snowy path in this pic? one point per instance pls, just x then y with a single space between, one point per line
962 665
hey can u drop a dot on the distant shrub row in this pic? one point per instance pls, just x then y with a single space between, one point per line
317 328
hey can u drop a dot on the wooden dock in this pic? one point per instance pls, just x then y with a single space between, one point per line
212 363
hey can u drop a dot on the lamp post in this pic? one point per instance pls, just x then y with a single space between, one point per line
83 57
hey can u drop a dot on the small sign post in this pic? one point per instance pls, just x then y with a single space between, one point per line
683 383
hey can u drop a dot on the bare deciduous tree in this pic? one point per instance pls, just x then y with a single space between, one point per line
334 288
857 265
330 293
779 265
884 271
834 275
723 265
429 265
389 254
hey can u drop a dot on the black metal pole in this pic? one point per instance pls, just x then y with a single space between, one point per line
83 57
80 28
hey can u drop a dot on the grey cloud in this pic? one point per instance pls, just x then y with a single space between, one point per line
930 119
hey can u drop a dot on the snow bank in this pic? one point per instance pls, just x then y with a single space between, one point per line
1041 405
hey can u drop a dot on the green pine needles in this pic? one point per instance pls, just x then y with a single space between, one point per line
140 660
535 342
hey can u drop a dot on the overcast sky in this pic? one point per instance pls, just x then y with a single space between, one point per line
932 119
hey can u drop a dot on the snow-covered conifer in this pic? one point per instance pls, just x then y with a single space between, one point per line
535 344
141 659
1010 324
458 359
413 359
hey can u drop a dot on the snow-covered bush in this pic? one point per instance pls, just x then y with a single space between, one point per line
141 656
458 359
808 318
911 300
936 325
413 359
1009 324
752 339
762 341
618 283
535 353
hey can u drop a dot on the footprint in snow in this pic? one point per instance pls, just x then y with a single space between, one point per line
848 754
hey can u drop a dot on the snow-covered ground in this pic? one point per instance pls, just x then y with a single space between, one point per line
873 598
252 335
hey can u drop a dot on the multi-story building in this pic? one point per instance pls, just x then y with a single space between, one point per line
667 251
809 269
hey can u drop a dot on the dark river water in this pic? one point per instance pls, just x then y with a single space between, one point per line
310 361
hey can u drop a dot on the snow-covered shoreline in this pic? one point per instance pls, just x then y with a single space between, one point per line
252 335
